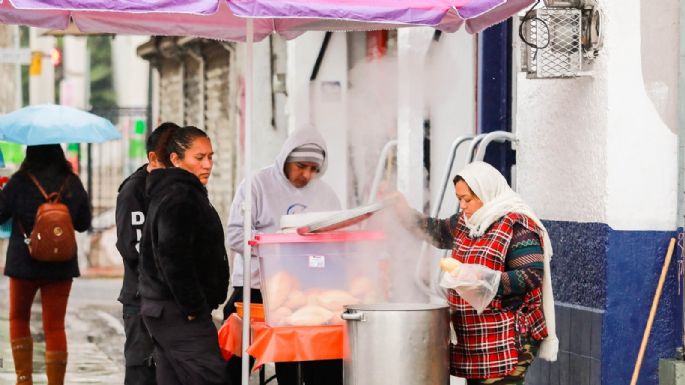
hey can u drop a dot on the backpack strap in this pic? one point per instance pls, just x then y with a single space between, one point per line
40 188
52 197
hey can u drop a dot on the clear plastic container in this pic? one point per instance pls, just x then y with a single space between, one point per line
306 280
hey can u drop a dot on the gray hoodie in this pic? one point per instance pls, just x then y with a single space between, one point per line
273 196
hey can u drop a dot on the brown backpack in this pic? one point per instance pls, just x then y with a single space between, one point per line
53 238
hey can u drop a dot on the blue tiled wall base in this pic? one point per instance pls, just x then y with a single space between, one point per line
580 349
634 263
604 282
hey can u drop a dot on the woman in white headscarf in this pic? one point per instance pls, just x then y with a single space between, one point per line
496 229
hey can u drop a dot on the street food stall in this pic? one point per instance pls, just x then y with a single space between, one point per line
249 21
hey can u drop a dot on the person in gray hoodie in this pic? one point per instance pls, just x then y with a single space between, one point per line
291 185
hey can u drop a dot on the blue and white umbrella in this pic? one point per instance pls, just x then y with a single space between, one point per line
54 124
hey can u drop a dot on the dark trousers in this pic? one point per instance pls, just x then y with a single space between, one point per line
235 362
326 372
138 348
186 352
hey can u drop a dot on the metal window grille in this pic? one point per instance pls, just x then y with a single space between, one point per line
556 32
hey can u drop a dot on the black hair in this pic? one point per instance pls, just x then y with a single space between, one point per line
158 141
458 178
180 140
158 134
46 156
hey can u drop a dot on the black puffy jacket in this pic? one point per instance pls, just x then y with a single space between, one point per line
182 253
19 200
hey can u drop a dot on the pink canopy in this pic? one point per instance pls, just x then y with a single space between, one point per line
252 20
225 19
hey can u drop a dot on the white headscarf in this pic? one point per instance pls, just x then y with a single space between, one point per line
499 200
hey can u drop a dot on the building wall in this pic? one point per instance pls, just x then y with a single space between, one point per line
193 89
598 161
322 102
170 91
219 122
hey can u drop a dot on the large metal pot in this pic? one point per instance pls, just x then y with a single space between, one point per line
397 343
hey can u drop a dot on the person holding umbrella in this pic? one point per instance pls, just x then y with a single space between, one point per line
130 217
19 200
183 264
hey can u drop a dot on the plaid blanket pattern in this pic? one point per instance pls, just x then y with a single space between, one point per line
487 345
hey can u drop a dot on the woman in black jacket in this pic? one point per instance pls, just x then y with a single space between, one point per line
183 266
19 200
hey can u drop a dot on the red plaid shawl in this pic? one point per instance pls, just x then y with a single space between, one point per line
486 344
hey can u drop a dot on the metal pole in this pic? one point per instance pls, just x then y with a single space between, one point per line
448 170
499 136
383 159
430 289
247 203
89 171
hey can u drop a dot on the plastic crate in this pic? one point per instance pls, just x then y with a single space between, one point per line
306 280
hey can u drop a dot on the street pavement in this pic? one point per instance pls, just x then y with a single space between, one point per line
95 335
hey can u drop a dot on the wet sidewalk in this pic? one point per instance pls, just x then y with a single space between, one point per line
95 335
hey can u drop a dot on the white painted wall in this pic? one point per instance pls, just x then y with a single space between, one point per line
595 149
266 141
323 102
642 149
328 95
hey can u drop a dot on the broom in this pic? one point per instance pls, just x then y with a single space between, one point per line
652 312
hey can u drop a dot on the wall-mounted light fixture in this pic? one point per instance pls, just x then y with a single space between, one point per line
560 39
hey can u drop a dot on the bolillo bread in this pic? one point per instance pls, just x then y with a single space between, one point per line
449 264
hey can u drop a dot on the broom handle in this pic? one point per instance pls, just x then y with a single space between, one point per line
652 313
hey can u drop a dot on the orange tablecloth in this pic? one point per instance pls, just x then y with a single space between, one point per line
282 343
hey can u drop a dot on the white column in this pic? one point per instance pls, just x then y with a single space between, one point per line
42 87
73 89
130 71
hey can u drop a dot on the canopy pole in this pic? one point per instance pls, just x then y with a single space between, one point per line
247 203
